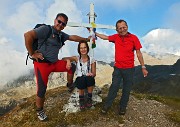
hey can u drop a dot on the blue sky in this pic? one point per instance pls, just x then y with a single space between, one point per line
155 22
142 16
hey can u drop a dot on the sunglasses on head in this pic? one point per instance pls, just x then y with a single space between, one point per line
60 22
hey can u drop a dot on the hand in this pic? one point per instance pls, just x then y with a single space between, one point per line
145 72
88 29
68 65
37 55
94 29
90 74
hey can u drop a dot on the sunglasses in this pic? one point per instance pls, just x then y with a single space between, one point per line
60 22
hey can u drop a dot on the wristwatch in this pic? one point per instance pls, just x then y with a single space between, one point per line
87 40
144 67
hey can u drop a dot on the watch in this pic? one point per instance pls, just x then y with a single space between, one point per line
87 40
144 67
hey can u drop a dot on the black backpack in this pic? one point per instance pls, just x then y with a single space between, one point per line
35 42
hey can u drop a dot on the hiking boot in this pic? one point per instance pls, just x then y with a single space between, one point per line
104 110
41 115
122 111
82 104
70 87
89 103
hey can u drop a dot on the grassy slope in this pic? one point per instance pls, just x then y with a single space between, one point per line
24 115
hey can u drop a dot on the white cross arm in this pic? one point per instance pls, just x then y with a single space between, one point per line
73 24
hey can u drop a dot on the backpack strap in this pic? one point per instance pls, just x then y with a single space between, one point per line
48 35
45 40
88 64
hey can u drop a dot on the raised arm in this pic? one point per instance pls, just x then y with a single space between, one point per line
102 36
78 38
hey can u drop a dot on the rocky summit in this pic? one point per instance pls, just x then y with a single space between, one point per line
17 100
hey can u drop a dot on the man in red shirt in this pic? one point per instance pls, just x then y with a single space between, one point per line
125 45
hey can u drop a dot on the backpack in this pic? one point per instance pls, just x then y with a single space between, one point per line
35 41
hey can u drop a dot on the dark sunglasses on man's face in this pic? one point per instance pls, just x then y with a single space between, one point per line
60 22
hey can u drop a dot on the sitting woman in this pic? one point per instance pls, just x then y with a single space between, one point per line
86 71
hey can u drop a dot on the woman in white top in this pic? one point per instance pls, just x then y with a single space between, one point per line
86 71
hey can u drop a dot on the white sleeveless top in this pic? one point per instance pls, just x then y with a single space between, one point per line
82 68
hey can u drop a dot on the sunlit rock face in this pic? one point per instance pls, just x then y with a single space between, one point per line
73 102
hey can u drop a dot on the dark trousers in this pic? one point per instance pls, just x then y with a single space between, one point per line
120 74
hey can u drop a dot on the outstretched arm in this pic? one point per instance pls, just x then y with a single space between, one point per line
141 61
102 36
78 38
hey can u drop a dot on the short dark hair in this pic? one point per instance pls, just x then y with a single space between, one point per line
62 15
85 42
120 21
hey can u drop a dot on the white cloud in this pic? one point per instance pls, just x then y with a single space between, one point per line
25 15
69 8
162 41
3 41
12 63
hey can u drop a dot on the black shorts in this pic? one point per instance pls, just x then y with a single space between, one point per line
85 81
